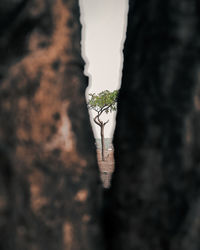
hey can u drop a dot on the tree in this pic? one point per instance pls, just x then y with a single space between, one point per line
104 102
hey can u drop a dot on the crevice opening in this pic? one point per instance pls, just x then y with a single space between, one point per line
103 34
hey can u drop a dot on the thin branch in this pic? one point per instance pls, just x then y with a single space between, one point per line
99 119
100 123
106 122
104 109
97 122
95 109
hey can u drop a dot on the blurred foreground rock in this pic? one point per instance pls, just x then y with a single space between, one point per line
50 190
50 194
154 199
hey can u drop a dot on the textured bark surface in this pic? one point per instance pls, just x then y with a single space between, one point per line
154 200
50 195
50 190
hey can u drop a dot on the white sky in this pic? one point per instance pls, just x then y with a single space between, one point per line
103 34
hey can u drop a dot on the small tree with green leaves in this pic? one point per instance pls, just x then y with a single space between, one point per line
104 102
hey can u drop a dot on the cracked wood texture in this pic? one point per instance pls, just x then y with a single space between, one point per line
154 199
50 191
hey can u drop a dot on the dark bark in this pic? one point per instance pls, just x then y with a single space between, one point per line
50 191
153 203
49 183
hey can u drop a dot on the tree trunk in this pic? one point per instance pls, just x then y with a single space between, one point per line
154 199
102 143
50 191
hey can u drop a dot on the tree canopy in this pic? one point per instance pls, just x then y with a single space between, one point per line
104 101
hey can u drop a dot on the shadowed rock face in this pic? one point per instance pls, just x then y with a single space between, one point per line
154 198
50 189
49 184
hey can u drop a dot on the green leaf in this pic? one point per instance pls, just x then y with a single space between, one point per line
104 101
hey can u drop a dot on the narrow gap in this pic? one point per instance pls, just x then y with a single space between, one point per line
103 34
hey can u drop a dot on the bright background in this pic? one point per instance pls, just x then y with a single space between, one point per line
103 34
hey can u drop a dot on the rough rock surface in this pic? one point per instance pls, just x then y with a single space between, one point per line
50 195
153 203
50 190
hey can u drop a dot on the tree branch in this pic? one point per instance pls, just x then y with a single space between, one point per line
99 119
104 109
97 122
106 122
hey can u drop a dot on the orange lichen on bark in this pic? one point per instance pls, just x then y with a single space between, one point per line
68 235
82 195
47 100
86 218
64 138
38 199
60 41
43 100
